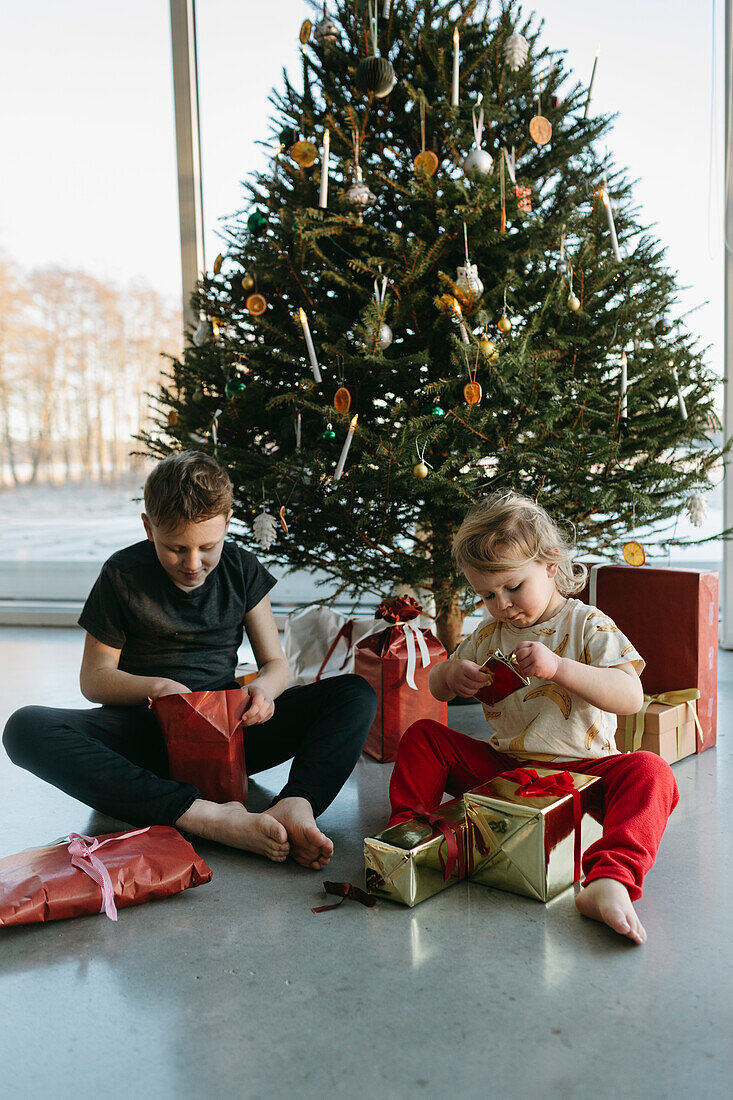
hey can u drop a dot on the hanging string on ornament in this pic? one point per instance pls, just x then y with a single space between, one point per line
298 428
472 390
540 128
562 266
511 164
623 422
680 395
426 162
479 162
215 430
374 73
342 397
458 318
505 325
421 467
573 301
516 49
502 195
467 277
524 199
384 337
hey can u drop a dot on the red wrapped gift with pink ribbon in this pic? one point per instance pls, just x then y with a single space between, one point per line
85 874
397 662
202 731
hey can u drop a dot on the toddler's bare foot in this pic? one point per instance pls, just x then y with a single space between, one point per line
308 845
229 823
608 900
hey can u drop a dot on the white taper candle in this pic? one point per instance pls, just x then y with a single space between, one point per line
611 223
345 449
309 345
590 86
325 148
456 70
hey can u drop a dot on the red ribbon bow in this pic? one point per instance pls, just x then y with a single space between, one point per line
398 609
532 785
344 890
453 842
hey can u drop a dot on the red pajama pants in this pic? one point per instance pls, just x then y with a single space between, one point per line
639 793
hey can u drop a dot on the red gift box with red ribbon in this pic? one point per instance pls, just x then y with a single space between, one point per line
203 736
528 828
397 663
671 616
84 875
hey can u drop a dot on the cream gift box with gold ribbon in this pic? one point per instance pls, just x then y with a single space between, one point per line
666 725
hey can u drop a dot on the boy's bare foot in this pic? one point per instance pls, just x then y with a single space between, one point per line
608 900
229 823
308 845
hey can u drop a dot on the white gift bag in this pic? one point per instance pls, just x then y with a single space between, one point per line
319 642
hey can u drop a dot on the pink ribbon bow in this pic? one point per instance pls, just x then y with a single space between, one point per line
82 849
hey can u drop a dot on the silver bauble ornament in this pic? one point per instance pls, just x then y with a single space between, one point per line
479 163
385 337
516 49
375 74
359 195
468 282
326 31
202 333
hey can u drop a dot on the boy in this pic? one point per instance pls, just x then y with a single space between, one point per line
165 616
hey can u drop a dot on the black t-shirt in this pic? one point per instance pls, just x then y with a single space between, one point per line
192 637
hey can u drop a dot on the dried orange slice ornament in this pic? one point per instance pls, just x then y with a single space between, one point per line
426 163
256 304
304 153
342 400
472 392
633 553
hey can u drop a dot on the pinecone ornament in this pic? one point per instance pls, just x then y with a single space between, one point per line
265 529
697 510
516 49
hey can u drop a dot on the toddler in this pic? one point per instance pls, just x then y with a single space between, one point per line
585 672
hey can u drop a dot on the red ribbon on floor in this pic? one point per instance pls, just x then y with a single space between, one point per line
453 841
344 890
532 785
347 633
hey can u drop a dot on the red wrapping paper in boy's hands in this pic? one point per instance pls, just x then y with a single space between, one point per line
505 678
204 741
43 884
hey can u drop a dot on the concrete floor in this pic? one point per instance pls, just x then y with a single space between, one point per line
237 989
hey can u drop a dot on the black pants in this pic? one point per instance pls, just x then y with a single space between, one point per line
114 758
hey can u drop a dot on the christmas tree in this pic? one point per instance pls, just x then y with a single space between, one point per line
441 272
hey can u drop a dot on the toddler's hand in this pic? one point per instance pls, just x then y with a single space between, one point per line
535 659
464 678
260 709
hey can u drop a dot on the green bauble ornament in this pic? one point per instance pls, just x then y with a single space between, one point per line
288 136
235 387
329 435
437 412
257 222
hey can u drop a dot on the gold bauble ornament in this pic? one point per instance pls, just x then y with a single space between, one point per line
489 349
505 324
573 302
248 281
420 470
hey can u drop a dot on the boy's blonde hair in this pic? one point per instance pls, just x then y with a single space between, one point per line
187 488
506 530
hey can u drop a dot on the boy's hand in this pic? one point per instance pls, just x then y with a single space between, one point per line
535 659
167 687
464 678
262 707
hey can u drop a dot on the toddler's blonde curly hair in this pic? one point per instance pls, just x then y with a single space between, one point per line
507 530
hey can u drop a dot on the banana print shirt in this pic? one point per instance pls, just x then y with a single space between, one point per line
545 721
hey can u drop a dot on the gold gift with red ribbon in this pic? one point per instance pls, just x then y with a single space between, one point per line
528 828
416 859
667 725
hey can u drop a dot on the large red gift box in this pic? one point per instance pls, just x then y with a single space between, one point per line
82 875
390 661
203 736
671 616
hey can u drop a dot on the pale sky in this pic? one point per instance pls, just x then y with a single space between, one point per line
89 175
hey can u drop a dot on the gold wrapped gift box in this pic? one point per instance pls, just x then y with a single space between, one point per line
666 725
407 862
528 845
